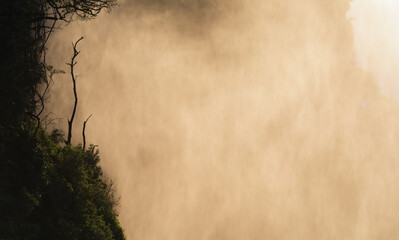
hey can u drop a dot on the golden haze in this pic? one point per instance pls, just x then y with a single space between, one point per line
235 120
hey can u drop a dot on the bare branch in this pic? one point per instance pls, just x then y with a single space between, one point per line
83 132
84 10
48 34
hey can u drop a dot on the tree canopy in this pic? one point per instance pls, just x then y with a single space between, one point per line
48 190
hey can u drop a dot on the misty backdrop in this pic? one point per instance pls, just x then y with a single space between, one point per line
233 119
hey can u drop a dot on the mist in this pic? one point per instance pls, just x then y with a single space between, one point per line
375 41
236 119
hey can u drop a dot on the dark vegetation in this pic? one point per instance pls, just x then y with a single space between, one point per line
49 188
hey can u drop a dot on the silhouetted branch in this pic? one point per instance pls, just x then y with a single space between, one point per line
87 9
83 132
48 34
41 96
72 65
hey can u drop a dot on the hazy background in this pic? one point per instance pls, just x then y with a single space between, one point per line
242 119
376 37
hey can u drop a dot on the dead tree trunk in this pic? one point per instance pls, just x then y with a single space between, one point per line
72 65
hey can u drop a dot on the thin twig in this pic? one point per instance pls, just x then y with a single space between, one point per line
83 132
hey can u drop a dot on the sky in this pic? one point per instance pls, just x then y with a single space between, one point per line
232 119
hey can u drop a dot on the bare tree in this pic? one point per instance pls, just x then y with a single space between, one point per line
72 65
45 16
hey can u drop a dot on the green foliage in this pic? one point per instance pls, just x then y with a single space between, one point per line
47 190
50 191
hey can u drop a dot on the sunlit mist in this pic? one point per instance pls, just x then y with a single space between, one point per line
242 119
376 37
